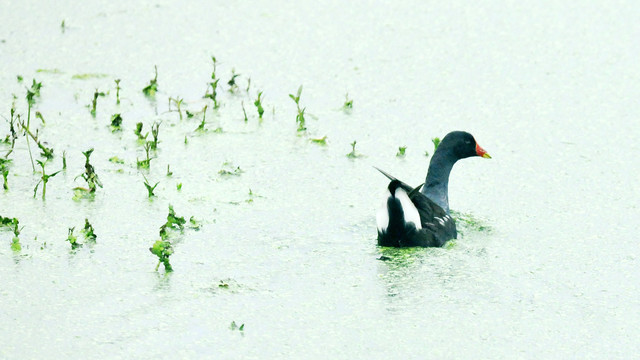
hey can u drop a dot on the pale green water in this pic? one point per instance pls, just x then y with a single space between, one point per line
549 90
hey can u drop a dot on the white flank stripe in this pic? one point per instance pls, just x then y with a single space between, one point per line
382 216
410 211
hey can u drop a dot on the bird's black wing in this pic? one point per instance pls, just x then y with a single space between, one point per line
434 219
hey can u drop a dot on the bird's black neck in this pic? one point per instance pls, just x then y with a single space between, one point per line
436 186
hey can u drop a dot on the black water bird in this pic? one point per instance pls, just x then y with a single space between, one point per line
420 216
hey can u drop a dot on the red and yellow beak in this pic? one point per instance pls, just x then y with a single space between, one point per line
481 152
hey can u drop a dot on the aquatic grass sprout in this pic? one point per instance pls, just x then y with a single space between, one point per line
401 151
353 154
117 81
258 105
214 93
300 120
72 239
348 103
151 89
43 180
149 187
89 174
233 87
138 132
155 131
94 102
88 232
436 143
178 103
145 163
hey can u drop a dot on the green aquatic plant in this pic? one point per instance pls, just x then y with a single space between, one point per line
353 154
64 160
116 160
244 112
233 87
320 141
162 249
145 163
179 186
300 120
5 173
43 180
117 81
35 88
174 222
89 175
151 89
94 102
45 151
19 78
258 104
401 151
213 94
62 26
88 232
72 239
169 172
468 221
234 326
200 127
178 103
436 143
39 116
13 225
138 132
116 122
248 85
348 103
228 169
149 187
155 131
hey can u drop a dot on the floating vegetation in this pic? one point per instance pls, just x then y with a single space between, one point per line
116 160
64 160
228 169
470 222
174 222
258 104
151 89
321 141
401 151
149 187
169 172
116 122
300 121
88 76
43 180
